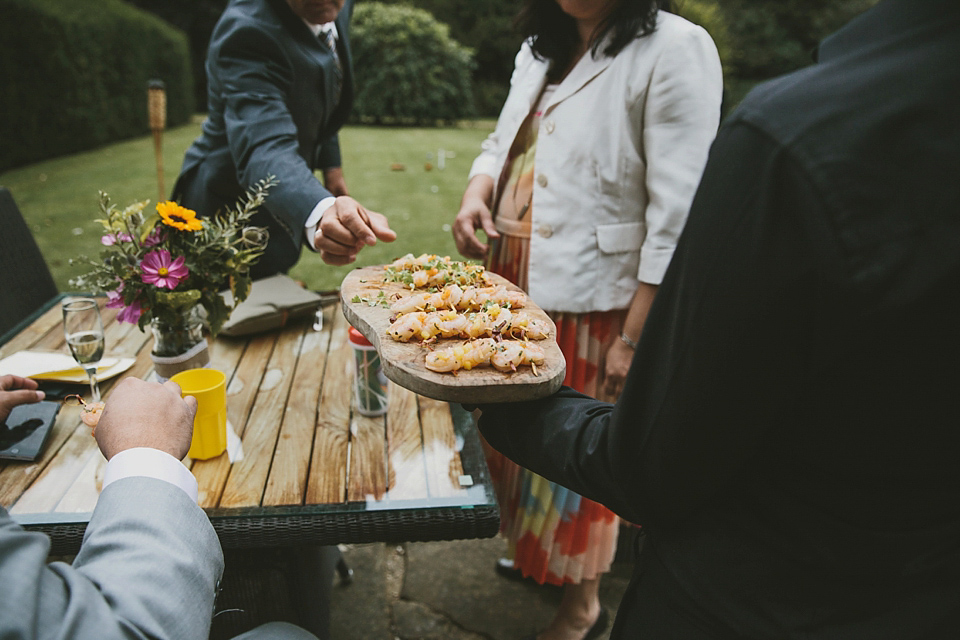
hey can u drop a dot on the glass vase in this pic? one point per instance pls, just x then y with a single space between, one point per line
179 345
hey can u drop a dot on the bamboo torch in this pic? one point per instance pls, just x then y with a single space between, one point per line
157 115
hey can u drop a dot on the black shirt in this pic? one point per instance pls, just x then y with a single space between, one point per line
789 433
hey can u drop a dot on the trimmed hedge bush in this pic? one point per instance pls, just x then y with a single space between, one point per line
74 75
486 26
408 68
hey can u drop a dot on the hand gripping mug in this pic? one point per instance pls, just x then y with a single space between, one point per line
370 383
209 387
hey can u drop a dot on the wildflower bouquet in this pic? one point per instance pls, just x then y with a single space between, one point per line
157 267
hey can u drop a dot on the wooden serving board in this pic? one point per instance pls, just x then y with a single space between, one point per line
404 362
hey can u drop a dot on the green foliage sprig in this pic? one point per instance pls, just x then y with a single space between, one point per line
161 264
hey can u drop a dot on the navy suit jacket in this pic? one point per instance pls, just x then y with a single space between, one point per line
272 110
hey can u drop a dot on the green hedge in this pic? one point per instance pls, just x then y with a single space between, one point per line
408 68
771 37
74 75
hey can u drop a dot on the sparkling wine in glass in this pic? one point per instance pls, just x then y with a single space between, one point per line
84 332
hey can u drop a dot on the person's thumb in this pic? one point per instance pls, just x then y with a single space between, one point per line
381 228
192 405
486 220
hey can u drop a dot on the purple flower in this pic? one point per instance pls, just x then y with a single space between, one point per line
130 314
115 298
113 238
156 237
158 269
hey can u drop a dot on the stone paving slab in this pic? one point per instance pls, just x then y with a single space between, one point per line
445 591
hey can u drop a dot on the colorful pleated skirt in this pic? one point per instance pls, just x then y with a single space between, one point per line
555 535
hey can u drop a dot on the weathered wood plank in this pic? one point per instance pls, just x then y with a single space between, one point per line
52 484
125 340
245 484
50 320
407 476
443 464
225 354
241 392
287 483
327 482
368 466
82 495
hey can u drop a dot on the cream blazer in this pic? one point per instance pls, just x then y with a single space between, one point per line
620 150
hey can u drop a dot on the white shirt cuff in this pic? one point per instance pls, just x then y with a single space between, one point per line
151 463
314 219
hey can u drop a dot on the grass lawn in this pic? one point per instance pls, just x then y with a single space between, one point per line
58 198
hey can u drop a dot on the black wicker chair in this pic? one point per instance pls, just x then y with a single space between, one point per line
25 280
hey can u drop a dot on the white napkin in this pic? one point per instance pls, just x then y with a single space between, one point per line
49 364
234 445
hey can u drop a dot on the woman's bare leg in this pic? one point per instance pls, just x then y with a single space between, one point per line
578 611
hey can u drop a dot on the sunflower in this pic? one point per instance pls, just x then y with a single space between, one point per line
174 215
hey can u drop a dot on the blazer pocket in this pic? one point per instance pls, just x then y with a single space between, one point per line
620 237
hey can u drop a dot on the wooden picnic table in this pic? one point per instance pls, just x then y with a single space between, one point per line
313 470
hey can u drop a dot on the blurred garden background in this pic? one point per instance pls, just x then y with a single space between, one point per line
431 77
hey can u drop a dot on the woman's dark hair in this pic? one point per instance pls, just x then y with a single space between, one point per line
554 33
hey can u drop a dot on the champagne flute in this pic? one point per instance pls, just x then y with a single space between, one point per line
84 332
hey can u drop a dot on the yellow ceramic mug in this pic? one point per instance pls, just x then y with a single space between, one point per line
209 387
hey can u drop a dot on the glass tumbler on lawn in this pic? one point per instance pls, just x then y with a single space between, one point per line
370 384
83 330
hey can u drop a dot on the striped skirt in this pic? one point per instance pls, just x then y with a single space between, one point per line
553 534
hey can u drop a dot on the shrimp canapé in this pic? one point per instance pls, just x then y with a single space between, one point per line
506 355
453 297
464 356
495 321
431 270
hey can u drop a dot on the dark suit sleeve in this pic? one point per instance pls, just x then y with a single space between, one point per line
257 81
720 356
148 568
328 155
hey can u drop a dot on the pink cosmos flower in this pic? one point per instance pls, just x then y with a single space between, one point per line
156 237
113 238
115 298
130 314
158 269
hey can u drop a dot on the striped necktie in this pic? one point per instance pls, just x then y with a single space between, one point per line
331 42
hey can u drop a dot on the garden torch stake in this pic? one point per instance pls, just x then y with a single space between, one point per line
157 114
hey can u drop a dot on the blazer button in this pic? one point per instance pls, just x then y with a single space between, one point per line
545 231
550 126
542 180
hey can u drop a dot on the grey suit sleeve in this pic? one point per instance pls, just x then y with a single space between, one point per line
148 568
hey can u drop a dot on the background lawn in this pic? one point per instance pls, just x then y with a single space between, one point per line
58 198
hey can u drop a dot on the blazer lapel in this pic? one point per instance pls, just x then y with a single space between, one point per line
585 70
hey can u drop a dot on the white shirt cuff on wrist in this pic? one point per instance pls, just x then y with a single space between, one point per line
314 219
151 463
